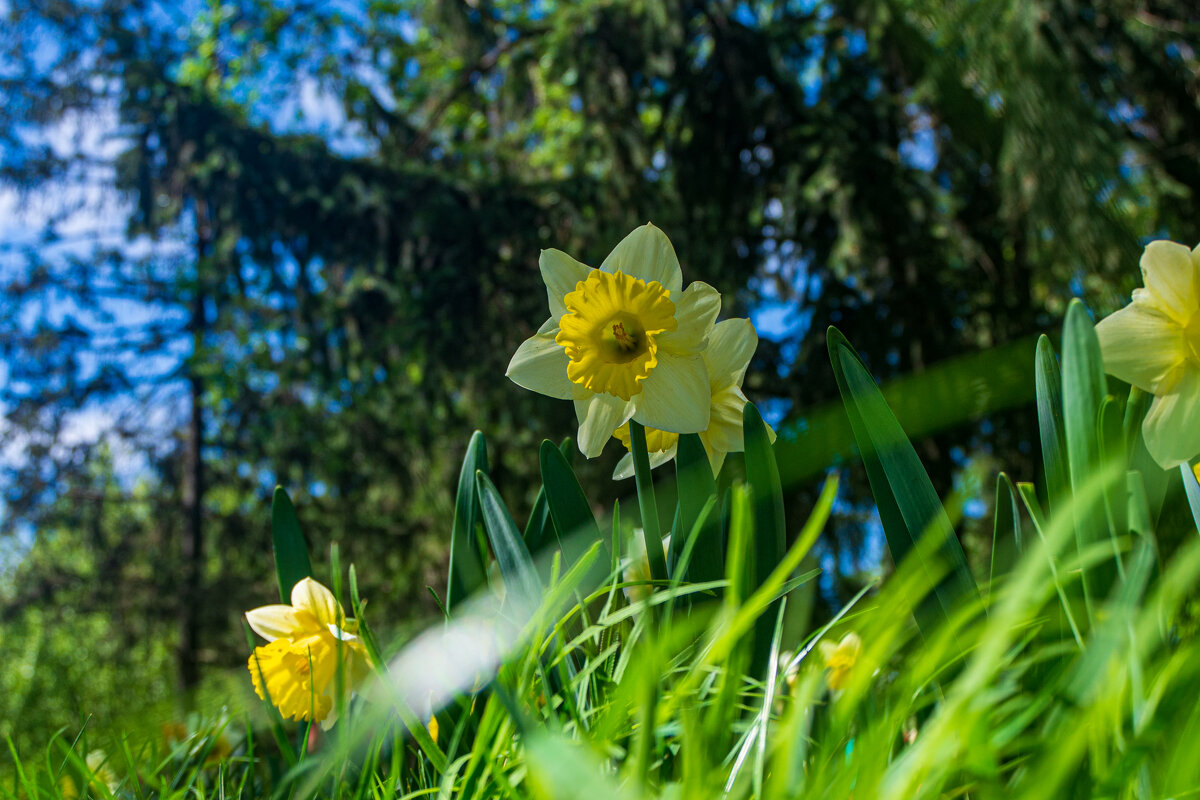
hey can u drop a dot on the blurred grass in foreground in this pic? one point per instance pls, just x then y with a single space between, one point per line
1073 671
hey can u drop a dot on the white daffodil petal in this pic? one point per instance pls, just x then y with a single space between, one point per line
715 460
695 311
624 468
561 273
675 397
647 253
599 415
731 345
724 432
540 365
1141 345
1172 426
273 622
317 600
1170 274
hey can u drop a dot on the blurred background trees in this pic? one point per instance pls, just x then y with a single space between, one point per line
245 243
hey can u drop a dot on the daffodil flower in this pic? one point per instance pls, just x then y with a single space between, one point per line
637 567
307 643
840 658
623 341
731 345
1154 344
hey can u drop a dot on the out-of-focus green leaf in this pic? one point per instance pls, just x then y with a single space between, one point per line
291 552
1140 519
1083 390
1006 529
466 562
762 475
516 565
573 520
909 508
1192 488
1048 382
651 532
1116 502
696 485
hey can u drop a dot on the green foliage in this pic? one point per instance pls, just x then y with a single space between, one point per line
935 179
466 561
909 509
591 694
291 551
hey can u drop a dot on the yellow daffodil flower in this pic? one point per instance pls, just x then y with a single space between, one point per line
623 341
840 658
731 345
1154 344
306 643
637 568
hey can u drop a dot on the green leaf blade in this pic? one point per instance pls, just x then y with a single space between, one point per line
292 564
466 562
909 508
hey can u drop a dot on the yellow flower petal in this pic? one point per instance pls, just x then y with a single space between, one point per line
599 415
647 253
1142 346
695 311
656 441
676 396
311 596
561 273
1172 426
294 675
610 332
274 622
1170 275
540 365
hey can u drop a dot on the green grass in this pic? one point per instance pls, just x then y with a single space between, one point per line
1073 670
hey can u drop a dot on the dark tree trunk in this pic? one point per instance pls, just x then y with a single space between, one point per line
193 539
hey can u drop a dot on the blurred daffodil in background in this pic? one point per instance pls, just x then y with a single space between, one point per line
840 658
623 341
308 642
637 567
731 345
1154 344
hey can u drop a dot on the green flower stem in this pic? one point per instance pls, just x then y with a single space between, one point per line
651 532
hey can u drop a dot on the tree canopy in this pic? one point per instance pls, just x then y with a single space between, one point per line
331 217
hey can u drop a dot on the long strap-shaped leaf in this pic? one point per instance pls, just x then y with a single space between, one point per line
1048 381
696 486
1006 529
569 508
521 582
291 553
909 508
762 475
466 563
1083 392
